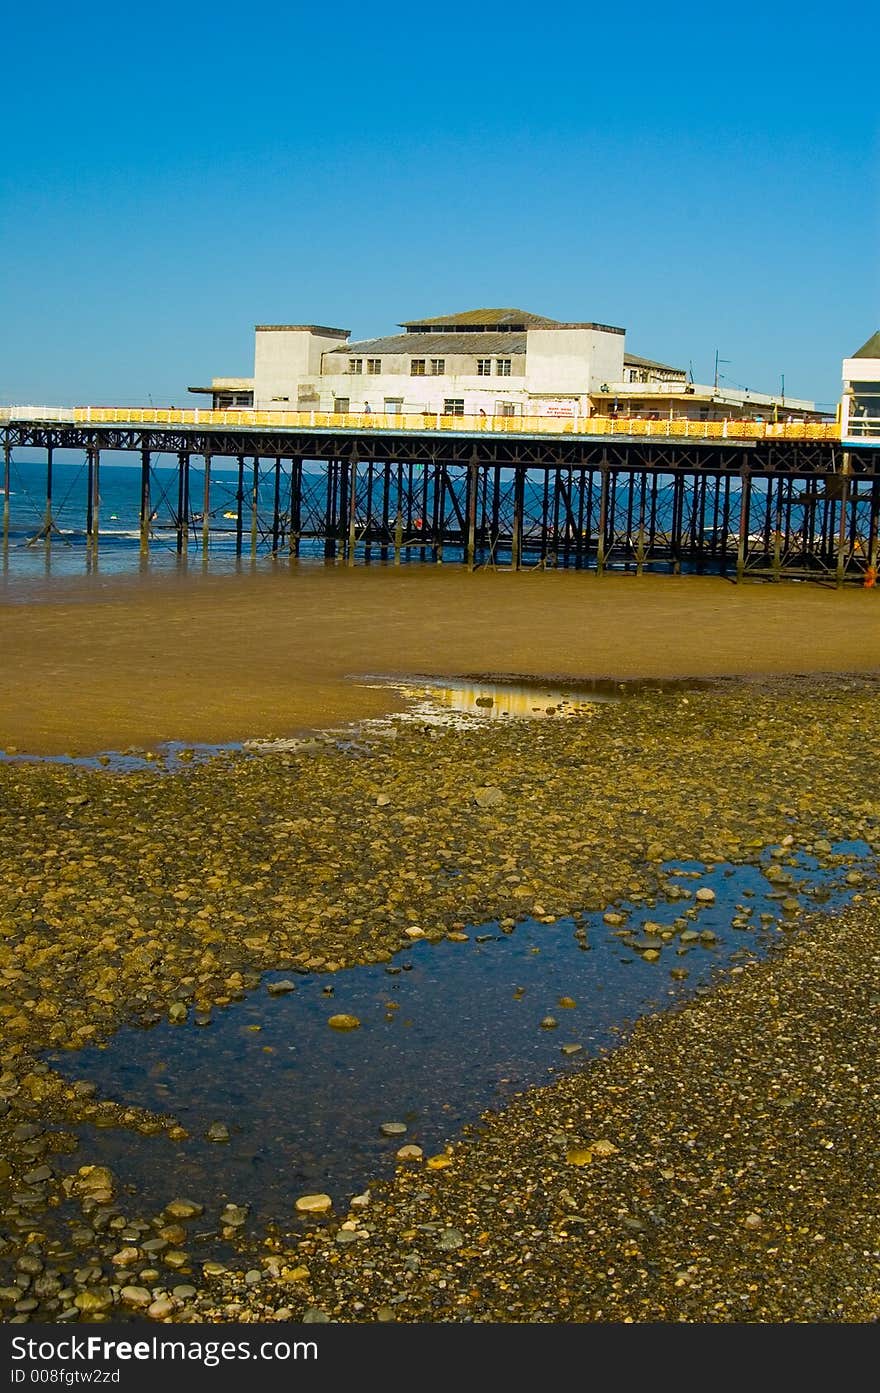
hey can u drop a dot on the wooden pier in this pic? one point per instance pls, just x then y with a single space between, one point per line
774 503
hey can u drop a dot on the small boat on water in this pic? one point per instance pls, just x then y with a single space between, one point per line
231 515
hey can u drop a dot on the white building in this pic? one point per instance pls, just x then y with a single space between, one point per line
860 403
492 362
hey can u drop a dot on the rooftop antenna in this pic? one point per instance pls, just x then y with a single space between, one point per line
717 361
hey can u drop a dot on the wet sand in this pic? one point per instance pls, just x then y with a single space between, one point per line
103 664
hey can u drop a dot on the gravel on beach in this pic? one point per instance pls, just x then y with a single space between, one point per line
717 1166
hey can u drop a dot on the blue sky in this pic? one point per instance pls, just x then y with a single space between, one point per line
707 179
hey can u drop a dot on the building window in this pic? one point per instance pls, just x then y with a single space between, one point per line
417 367
438 367
355 364
502 366
393 406
484 367
341 404
374 365
453 406
505 408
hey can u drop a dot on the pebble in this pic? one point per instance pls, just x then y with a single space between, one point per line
343 1022
449 1239
314 1204
136 1296
393 1129
184 1209
488 797
161 1308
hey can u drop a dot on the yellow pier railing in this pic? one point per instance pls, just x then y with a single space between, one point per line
627 426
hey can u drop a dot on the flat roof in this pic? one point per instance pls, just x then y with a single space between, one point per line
302 328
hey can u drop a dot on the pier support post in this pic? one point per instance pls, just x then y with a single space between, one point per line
398 521
295 508
745 504
845 469
276 507
516 541
352 506
472 480
48 522
182 503
239 507
145 503
777 532
255 506
7 463
439 510
603 520
329 513
206 507
93 503
386 505
679 487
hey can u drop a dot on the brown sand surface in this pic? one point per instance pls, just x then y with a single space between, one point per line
105 663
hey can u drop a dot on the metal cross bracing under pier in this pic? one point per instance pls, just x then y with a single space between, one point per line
766 508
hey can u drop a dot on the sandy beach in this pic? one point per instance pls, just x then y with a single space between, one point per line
106 663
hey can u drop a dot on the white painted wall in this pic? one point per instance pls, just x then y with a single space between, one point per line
572 360
282 359
856 370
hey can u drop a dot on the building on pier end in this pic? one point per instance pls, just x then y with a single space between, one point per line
483 362
860 403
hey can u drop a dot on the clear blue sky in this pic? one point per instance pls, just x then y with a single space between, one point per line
704 176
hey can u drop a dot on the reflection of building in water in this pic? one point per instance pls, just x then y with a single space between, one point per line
860 404
517 703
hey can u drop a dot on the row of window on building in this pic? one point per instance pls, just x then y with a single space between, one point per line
433 367
452 406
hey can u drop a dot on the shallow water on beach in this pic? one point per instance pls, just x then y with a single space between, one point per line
447 1030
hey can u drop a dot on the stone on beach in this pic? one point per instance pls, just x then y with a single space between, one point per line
314 1204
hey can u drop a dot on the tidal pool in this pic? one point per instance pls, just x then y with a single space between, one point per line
447 1030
